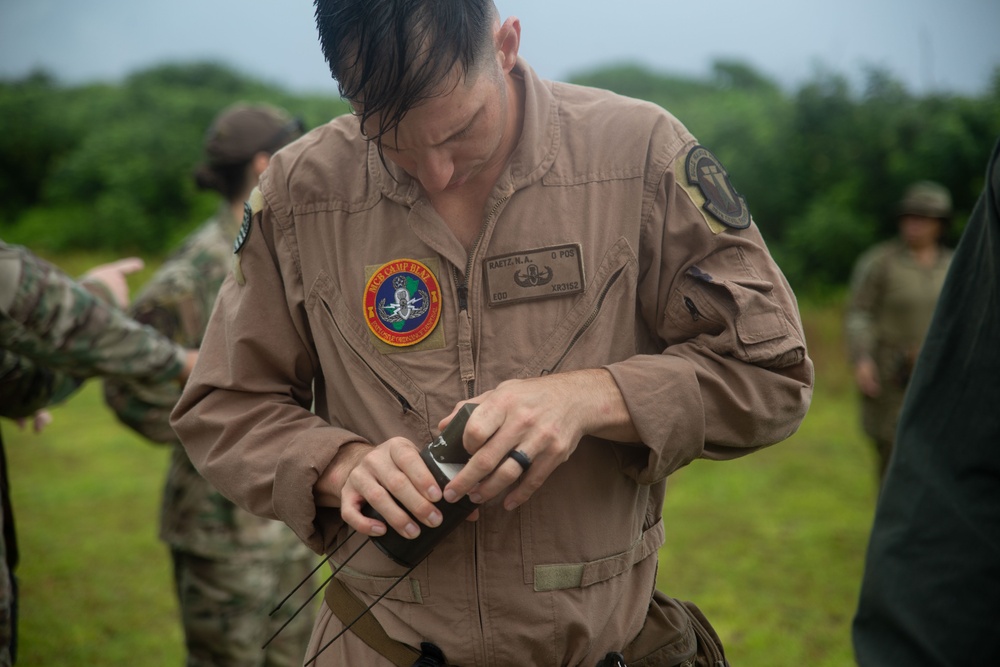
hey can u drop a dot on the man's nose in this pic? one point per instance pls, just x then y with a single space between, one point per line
435 171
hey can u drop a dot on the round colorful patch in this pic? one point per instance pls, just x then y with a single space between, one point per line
402 302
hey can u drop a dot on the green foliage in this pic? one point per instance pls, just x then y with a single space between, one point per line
823 168
33 139
825 240
735 75
109 166
639 82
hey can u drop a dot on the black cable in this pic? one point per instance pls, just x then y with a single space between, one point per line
359 617
320 588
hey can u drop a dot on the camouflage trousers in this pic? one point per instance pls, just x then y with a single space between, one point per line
225 607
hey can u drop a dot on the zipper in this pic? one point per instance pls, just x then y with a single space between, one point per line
693 309
479 608
404 404
462 292
462 284
590 320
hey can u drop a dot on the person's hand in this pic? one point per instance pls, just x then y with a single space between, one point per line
866 377
541 418
381 476
112 277
39 421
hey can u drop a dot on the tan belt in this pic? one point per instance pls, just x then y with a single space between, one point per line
347 607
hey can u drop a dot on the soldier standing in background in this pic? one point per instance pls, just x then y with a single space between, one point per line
231 568
894 288
55 332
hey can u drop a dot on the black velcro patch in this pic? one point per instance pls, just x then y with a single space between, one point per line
721 199
244 232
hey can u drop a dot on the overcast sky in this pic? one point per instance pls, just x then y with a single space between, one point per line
930 45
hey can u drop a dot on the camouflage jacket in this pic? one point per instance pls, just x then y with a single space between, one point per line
54 333
178 301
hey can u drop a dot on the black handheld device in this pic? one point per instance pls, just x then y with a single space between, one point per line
444 457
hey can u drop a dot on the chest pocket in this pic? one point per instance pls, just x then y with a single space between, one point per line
364 386
583 338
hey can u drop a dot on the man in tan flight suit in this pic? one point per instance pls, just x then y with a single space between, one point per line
571 261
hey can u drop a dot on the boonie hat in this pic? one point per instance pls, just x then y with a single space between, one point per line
242 130
926 198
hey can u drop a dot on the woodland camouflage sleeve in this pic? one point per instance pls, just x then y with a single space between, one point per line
145 407
53 321
26 387
177 302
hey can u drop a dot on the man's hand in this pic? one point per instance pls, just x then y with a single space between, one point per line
111 277
39 421
380 476
543 419
866 377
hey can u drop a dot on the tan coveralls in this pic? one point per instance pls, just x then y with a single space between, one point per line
693 319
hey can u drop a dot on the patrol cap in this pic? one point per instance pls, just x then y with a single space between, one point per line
242 130
925 198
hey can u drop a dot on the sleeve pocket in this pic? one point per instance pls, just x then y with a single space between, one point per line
732 313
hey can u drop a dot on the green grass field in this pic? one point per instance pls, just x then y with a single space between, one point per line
770 546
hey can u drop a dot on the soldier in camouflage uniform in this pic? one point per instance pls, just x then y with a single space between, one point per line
231 568
894 289
53 334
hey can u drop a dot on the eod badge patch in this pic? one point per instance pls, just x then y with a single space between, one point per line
402 302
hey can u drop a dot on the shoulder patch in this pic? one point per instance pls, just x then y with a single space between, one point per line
703 169
250 207
241 236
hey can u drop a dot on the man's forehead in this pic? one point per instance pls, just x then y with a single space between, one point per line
431 120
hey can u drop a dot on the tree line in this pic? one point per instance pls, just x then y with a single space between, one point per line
109 165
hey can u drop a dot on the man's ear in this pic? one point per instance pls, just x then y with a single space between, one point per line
508 41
